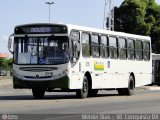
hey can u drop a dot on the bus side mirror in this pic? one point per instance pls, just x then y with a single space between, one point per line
10 43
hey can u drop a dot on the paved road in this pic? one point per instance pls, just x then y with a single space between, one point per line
107 102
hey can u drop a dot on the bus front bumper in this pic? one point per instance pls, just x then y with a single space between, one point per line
62 83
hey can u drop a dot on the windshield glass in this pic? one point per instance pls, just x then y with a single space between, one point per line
41 50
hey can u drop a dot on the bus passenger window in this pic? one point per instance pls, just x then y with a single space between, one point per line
113 47
85 45
122 48
95 46
104 47
146 50
130 49
138 49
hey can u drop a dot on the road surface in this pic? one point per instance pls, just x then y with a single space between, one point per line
68 106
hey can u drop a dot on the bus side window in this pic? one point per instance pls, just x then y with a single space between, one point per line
146 50
86 45
138 50
113 47
95 45
104 47
122 48
130 49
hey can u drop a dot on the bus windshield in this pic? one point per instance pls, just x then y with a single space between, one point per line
41 50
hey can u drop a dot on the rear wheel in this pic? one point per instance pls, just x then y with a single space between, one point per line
83 93
38 93
131 85
128 91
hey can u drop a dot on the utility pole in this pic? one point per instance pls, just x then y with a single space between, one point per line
49 4
108 22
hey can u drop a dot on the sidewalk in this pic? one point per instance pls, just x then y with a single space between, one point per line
152 88
5 80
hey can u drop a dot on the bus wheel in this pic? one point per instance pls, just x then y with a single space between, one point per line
38 93
83 93
131 85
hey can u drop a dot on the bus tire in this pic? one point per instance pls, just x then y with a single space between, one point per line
83 93
131 85
38 93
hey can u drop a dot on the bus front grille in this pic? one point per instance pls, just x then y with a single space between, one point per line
37 77
38 69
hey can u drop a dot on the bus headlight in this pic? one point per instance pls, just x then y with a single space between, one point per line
66 72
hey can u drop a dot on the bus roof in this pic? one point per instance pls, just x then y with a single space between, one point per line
93 30
108 32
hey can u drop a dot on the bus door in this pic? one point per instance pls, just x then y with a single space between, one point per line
74 54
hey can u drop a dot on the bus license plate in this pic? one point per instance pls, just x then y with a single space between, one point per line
48 73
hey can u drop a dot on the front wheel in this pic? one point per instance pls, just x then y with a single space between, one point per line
38 93
83 93
128 91
131 85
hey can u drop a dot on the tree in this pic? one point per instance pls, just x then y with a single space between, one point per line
139 17
5 63
1 63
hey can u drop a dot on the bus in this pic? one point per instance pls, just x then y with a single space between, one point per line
50 57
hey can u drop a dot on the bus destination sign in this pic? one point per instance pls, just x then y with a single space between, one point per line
40 29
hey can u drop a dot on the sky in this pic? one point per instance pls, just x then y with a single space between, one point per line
80 12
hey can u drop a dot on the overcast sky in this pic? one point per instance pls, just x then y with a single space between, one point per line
80 12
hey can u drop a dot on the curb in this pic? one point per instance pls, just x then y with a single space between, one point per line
5 82
152 88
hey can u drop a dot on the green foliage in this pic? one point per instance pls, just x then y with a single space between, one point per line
139 17
5 63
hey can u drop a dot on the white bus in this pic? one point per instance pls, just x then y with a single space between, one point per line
50 57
